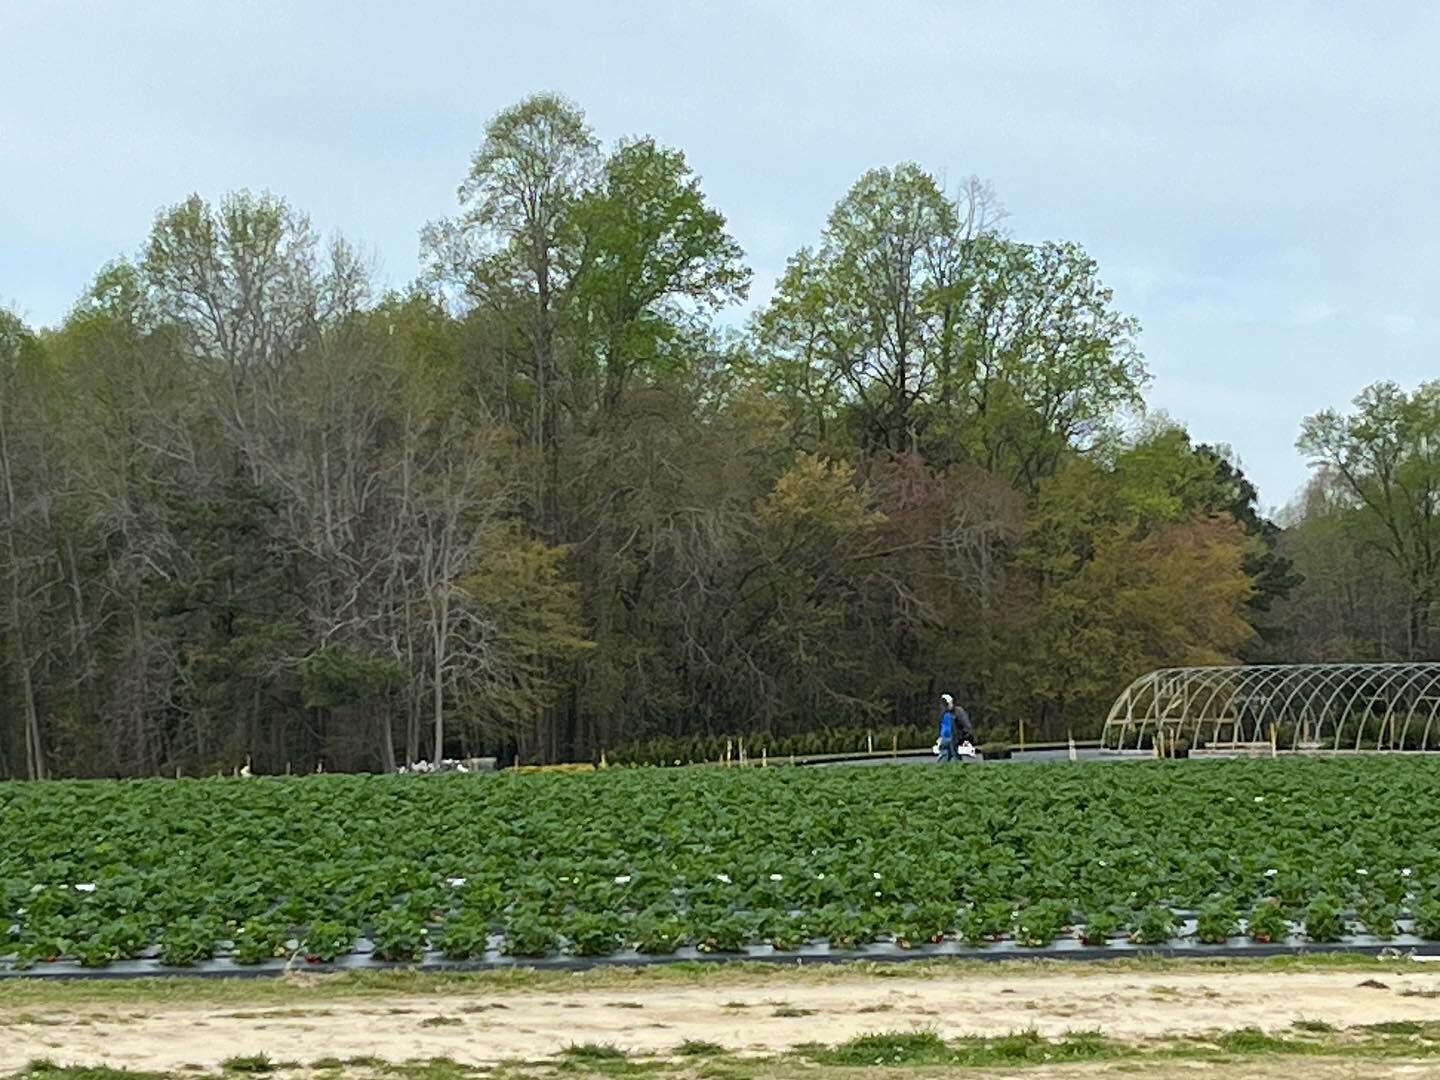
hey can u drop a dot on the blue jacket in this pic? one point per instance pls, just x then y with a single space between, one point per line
947 725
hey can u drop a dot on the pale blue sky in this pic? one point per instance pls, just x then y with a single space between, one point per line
1259 182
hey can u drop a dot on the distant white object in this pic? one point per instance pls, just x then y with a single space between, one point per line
965 750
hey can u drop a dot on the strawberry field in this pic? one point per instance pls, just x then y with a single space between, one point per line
673 863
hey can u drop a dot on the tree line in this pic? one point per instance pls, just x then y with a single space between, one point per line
549 499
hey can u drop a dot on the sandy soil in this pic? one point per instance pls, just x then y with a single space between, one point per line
479 1028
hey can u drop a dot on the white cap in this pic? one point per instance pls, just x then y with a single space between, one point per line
947 699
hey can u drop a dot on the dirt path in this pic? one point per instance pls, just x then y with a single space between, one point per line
485 1027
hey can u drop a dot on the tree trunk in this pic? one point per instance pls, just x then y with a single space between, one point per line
438 677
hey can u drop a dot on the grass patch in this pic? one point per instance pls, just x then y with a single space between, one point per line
305 987
250 1065
700 1048
1314 1027
44 1068
442 1021
1251 1040
1395 1027
893 1048
592 1053
789 1012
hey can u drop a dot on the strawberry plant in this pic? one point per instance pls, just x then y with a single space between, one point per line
1100 927
466 936
1378 915
101 872
592 935
530 933
657 932
1154 926
785 932
928 924
187 941
1216 921
326 940
399 936
725 934
989 922
1427 919
1267 922
261 939
1038 924
1323 921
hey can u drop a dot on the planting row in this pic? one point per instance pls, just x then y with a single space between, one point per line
717 859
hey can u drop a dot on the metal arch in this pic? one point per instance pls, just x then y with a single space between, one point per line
1320 702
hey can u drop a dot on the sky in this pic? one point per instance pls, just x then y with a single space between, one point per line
1260 183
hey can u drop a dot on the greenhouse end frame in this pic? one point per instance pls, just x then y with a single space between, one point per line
1352 706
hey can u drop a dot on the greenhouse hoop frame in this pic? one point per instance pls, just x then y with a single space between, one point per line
1346 706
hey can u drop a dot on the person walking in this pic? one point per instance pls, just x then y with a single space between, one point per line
946 744
962 727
